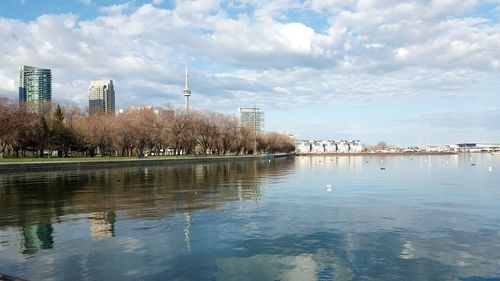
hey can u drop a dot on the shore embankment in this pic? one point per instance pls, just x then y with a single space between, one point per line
103 162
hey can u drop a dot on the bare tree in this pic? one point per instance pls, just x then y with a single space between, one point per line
68 130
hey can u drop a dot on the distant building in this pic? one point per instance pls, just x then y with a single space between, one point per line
475 147
252 117
102 97
155 110
328 146
35 88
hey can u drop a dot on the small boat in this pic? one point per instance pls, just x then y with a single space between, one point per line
495 153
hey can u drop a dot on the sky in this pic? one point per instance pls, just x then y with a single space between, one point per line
404 72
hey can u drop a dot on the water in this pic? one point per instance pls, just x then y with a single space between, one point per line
422 218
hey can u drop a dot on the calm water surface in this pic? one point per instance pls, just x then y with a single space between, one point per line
422 218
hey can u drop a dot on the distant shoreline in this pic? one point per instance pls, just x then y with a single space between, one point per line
376 153
103 162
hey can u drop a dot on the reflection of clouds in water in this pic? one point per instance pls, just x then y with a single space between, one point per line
466 259
131 273
270 267
407 251
187 230
131 245
303 268
278 267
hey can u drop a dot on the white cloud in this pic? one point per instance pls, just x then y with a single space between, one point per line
353 60
116 9
468 119
280 90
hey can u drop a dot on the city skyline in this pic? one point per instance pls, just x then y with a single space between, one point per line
408 73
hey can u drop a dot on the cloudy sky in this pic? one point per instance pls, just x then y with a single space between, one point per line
406 72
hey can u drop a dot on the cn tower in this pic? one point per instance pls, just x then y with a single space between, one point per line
187 92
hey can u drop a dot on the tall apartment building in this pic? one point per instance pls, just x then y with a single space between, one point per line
35 88
252 117
102 97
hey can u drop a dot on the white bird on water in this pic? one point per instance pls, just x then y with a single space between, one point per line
328 187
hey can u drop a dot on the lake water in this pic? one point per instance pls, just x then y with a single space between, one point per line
420 218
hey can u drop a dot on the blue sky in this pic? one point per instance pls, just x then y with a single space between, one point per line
405 72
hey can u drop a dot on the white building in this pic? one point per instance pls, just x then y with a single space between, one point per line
102 97
475 147
156 110
328 146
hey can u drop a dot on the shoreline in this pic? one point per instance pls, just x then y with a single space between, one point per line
376 153
113 163
89 163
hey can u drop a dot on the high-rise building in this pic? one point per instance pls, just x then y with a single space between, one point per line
252 117
187 92
102 97
35 88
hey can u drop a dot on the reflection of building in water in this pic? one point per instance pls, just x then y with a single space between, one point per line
36 237
102 224
344 163
187 230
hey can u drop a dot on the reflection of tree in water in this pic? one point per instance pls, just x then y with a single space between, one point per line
33 201
162 190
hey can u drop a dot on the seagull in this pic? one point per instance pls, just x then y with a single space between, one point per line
328 187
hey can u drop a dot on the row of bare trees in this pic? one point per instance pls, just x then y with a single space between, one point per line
70 131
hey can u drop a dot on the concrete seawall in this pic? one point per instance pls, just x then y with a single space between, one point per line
87 164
